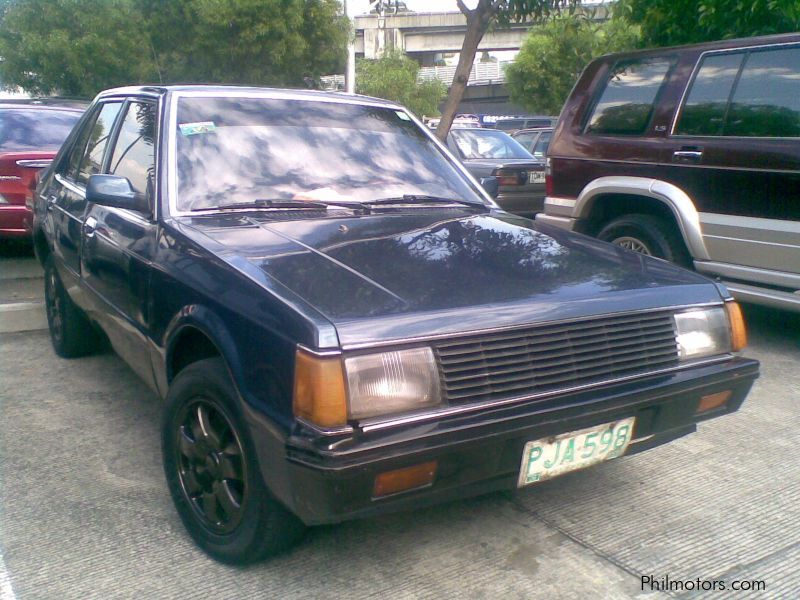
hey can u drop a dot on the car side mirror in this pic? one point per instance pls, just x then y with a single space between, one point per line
491 185
116 191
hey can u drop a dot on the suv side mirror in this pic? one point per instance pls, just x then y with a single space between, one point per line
491 185
115 191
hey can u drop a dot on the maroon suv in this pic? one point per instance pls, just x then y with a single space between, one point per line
691 154
30 135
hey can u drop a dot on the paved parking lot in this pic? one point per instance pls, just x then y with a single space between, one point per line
85 513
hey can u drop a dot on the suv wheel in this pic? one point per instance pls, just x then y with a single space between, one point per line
648 235
213 474
70 331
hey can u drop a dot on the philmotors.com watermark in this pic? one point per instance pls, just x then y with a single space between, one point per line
651 583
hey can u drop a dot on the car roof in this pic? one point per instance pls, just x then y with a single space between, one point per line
763 40
262 92
532 130
28 106
485 129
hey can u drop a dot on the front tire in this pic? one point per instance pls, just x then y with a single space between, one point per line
647 234
213 473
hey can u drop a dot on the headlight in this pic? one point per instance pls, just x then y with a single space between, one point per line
702 332
392 382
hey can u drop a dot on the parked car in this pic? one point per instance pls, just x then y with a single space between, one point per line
513 124
691 154
466 121
490 153
536 141
342 323
30 134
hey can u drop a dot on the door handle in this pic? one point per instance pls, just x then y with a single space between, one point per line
89 226
688 156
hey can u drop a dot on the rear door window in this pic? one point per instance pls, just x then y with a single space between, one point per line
626 104
540 149
705 108
526 139
766 101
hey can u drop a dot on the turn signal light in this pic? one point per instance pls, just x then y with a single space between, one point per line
738 330
402 480
319 392
713 401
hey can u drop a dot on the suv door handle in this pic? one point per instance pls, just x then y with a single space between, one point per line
89 226
687 155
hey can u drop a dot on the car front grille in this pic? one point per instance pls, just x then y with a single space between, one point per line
546 358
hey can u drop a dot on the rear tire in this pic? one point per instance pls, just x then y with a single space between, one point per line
649 235
213 473
71 332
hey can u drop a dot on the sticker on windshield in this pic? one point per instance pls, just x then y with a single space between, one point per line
402 115
195 128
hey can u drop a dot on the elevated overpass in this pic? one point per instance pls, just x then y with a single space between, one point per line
424 35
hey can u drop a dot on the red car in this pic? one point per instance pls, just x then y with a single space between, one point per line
30 135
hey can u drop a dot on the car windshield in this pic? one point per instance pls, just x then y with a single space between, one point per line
239 150
32 129
487 143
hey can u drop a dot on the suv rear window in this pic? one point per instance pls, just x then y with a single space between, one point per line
626 104
766 101
26 129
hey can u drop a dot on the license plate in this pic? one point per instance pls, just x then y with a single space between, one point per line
554 456
536 176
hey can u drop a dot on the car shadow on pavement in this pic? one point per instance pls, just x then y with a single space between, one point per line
15 249
766 324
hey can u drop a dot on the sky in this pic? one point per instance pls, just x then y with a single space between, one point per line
359 7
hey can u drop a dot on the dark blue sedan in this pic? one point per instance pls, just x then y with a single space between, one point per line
342 322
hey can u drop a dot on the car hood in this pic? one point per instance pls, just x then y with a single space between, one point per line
409 274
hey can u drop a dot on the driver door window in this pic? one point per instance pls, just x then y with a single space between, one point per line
134 155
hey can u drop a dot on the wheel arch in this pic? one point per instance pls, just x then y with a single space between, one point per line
196 333
650 196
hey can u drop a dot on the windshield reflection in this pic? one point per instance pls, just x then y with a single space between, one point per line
239 150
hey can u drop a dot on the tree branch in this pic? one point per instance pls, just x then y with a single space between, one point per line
463 7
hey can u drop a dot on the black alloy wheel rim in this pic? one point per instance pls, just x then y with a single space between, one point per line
55 309
211 466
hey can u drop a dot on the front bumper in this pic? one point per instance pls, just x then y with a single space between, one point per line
325 479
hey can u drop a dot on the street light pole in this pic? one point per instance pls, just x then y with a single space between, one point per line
350 73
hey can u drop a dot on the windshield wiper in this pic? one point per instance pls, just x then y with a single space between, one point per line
412 198
306 204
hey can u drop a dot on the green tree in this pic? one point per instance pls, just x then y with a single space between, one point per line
255 42
74 47
78 47
554 54
675 22
394 77
489 13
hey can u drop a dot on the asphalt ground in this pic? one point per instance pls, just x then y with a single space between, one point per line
85 512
